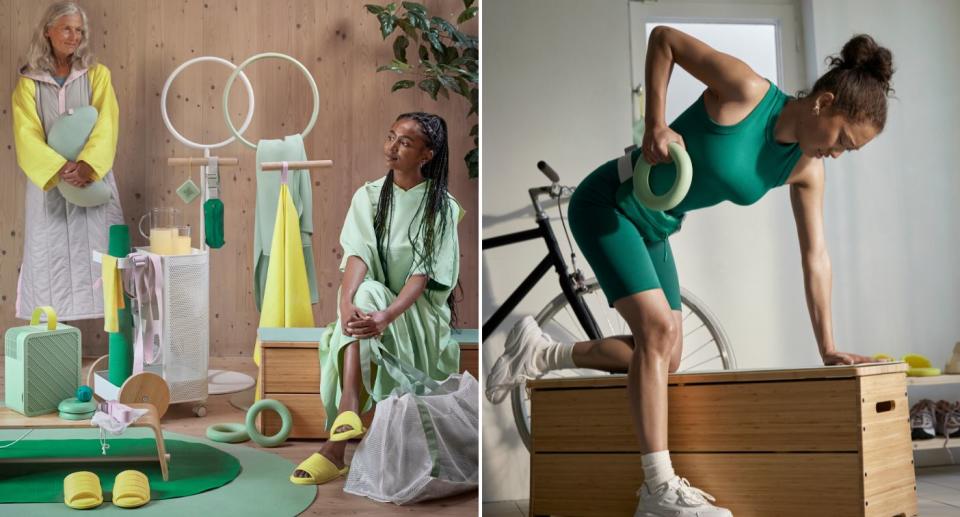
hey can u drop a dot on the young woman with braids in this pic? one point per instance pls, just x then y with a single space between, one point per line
401 261
744 137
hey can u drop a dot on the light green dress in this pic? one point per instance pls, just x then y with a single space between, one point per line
420 337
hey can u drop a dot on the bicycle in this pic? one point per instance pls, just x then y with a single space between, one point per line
573 314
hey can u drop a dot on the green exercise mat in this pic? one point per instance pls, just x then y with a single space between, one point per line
261 488
194 468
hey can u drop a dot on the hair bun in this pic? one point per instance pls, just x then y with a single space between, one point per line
863 53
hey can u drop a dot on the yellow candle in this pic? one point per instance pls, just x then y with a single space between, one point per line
161 240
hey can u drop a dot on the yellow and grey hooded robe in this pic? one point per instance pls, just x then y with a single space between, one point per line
58 268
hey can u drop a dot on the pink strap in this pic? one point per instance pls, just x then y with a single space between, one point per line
117 411
144 284
283 172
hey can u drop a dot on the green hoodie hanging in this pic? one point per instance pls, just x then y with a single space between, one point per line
213 222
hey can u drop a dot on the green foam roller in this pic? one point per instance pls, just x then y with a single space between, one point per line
120 362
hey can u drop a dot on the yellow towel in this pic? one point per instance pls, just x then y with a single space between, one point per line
286 299
112 293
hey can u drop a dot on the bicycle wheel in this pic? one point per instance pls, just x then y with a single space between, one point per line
705 345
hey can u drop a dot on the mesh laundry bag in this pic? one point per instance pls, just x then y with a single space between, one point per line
422 445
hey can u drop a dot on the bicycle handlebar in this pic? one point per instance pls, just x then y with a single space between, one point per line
548 171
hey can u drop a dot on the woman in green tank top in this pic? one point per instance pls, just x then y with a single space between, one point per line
744 137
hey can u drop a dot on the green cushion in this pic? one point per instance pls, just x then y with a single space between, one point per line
74 406
67 137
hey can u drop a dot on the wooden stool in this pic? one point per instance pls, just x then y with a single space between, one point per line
10 419
290 373
813 441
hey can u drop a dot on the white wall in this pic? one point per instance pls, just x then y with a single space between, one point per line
891 208
556 87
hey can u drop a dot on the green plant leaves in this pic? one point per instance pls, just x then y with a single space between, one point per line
402 85
400 48
468 13
448 58
431 86
387 24
395 66
415 7
473 162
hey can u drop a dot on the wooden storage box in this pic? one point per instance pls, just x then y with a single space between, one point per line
816 441
290 373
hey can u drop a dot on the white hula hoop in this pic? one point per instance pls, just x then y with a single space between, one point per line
166 117
239 71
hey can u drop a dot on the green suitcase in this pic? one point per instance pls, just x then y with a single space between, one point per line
42 364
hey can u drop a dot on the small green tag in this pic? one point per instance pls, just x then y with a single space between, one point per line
188 191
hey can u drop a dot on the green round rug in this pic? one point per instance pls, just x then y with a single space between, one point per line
194 467
261 488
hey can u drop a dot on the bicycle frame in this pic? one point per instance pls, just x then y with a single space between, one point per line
553 258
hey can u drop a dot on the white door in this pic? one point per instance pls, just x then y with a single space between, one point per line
767 37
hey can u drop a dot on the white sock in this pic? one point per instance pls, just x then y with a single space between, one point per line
657 469
554 356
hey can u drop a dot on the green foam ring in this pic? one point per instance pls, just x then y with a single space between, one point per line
229 432
120 362
681 185
285 417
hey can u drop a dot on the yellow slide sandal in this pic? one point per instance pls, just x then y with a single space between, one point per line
347 419
81 490
321 470
131 489
920 366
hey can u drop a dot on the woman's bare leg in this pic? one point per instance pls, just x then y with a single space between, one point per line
349 401
613 353
656 334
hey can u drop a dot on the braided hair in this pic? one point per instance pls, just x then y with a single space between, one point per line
434 205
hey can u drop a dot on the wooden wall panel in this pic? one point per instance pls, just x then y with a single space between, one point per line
143 41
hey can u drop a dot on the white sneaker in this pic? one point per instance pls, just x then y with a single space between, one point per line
517 363
676 498
923 420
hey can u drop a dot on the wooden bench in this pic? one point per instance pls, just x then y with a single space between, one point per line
290 373
10 419
802 442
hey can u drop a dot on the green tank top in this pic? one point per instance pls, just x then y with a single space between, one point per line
737 163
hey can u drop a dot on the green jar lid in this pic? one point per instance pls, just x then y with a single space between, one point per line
74 406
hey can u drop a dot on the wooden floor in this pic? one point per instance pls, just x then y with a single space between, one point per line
937 487
331 500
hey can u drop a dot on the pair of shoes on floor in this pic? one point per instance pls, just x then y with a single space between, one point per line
82 491
677 498
319 468
929 419
518 362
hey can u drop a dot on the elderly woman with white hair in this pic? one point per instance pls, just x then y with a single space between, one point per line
59 76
